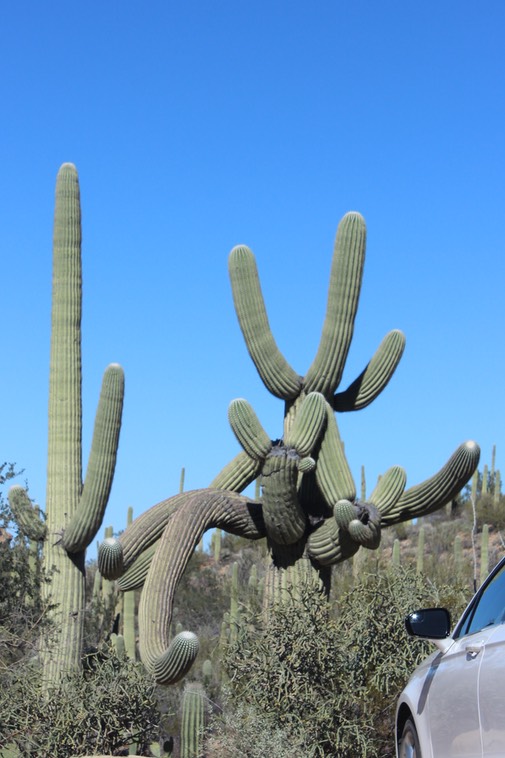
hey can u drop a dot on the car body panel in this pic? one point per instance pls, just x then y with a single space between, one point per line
492 694
456 696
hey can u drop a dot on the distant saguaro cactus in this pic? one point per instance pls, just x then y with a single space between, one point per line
308 509
193 720
484 553
74 509
129 612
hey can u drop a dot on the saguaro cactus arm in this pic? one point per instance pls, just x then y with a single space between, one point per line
345 284
389 489
277 375
333 474
201 510
238 473
116 556
374 377
28 517
285 519
248 430
88 517
438 490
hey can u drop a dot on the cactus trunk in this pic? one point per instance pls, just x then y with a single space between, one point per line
74 510
64 470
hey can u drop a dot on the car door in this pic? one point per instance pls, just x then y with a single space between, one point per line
452 700
492 694
485 620
464 698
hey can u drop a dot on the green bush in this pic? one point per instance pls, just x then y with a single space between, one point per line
379 655
491 512
22 612
102 709
329 676
244 730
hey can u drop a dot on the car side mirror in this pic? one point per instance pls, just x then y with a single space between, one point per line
429 623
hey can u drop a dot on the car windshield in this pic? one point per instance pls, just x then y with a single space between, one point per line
489 608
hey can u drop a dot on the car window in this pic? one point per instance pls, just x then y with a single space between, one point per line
489 609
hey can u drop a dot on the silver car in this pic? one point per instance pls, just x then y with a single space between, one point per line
454 703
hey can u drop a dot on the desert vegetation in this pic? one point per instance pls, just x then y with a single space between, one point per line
284 638
321 682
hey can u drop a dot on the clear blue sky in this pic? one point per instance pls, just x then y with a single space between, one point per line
197 126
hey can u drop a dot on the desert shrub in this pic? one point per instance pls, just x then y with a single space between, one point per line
22 611
243 730
491 512
102 709
380 655
328 675
284 674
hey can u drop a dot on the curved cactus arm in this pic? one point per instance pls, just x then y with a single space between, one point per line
248 430
110 558
143 532
88 518
202 510
28 516
333 475
238 473
374 378
130 561
275 372
329 544
134 576
335 541
389 489
345 283
434 493
176 661
308 424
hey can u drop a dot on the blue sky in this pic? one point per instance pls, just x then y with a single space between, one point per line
199 126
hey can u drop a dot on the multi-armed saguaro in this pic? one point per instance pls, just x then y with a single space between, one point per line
74 510
308 509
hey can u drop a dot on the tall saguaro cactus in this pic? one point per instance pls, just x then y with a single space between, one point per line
308 509
74 509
